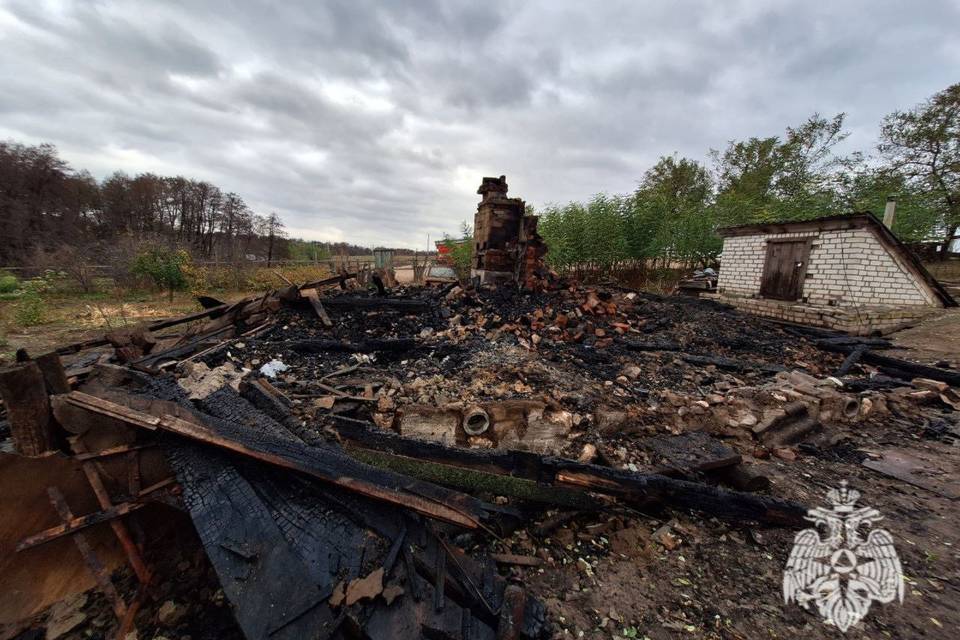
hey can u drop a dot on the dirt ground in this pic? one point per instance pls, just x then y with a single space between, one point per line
73 318
724 581
933 340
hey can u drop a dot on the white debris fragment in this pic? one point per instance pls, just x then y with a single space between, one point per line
272 368
200 380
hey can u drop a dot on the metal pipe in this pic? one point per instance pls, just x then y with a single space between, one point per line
475 421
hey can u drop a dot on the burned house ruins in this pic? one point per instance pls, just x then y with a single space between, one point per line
329 460
506 247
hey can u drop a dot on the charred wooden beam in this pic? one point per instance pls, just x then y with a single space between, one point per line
854 341
571 475
898 367
314 299
323 462
212 312
119 528
149 362
472 480
851 360
337 279
730 364
728 505
74 524
93 562
24 394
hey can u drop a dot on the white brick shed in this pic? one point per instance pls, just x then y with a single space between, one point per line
844 272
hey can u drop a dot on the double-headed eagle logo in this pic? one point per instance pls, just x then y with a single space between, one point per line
845 571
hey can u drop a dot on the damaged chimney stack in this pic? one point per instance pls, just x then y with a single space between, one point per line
506 247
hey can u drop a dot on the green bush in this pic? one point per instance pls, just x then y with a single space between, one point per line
461 252
8 282
31 308
166 268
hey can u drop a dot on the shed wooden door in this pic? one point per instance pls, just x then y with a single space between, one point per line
784 269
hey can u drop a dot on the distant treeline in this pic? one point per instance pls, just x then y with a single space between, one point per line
679 203
52 213
46 206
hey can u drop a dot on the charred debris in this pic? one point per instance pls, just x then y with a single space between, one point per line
353 459
350 477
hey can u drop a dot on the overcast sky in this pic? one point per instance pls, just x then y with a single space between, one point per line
373 122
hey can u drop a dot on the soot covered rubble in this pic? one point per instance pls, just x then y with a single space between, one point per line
604 376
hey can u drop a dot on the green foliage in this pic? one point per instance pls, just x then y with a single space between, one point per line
673 215
8 282
31 309
922 145
166 268
918 215
305 250
794 178
31 306
461 251
668 216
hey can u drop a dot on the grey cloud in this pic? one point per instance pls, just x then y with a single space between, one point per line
376 120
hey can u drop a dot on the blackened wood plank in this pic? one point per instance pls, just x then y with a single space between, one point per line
323 462
24 394
272 593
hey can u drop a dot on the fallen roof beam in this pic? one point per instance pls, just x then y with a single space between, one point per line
570 475
322 462
337 279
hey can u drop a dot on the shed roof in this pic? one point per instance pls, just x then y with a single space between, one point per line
865 220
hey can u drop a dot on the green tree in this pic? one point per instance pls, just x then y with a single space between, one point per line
671 214
917 216
791 178
166 268
461 251
923 145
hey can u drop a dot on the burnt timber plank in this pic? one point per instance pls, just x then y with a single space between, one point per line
338 535
730 364
561 473
272 593
24 394
321 461
337 279
90 557
313 297
78 523
903 368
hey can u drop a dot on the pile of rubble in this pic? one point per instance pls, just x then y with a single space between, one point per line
381 463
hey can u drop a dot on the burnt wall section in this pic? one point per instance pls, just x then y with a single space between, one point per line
506 246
